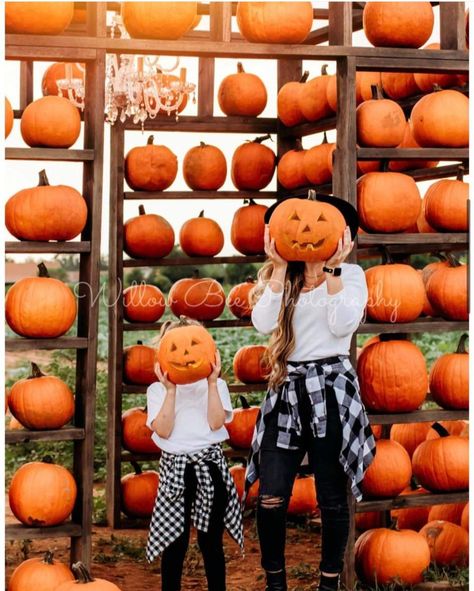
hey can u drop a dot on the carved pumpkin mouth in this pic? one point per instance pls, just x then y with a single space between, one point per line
307 245
187 365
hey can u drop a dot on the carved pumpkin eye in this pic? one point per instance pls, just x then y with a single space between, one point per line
322 218
194 342
173 347
295 217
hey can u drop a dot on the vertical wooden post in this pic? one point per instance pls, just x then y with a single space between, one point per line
26 84
452 25
340 23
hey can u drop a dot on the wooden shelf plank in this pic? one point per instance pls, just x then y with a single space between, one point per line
405 501
420 325
57 154
18 531
44 52
67 433
207 124
419 416
231 323
435 240
142 195
17 247
438 172
180 261
23 344
409 153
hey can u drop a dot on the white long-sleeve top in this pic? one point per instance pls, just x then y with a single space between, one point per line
323 324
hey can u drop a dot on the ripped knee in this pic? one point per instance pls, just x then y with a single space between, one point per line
271 502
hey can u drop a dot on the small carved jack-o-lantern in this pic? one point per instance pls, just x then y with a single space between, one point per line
186 353
306 229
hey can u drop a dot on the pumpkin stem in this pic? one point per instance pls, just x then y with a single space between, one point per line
183 320
304 77
141 210
150 140
460 174
243 401
43 179
201 215
298 145
442 432
325 139
139 342
35 371
48 557
250 201
414 484
462 344
262 138
436 88
385 165
240 68
136 467
42 270
324 70
202 144
81 573
47 460
312 195
393 336
453 261
376 92
387 258
250 279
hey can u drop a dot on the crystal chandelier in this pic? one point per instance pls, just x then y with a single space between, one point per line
72 88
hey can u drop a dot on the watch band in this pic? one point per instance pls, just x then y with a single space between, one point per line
336 271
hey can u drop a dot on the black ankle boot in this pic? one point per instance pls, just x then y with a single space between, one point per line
276 581
328 583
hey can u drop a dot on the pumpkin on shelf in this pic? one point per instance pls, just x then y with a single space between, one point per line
204 168
186 353
448 543
38 18
46 212
201 237
318 164
143 303
447 290
253 165
238 300
248 228
303 496
158 20
168 80
389 473
41 402
399 85
392 24
150 167
368 520
465 517
290 170
60 71
449 378
288 101
274 22
138 492
42 494
447 204
410 435
147 236
50 122
380 122
84 579
242 426
250 365
8 118
138 364
413 517
460 428
408 141
313 102
422 226
41 574
451 512
136 435
384 556
242 94
364 83
237 471
442 464
200 298
40 307
426 81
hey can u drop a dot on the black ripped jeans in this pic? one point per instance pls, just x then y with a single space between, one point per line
210 542
278 468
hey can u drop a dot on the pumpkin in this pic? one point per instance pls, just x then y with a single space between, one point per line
306 229
449 378
392 24
390 472
41 402
413 517
143 303
380 122
460 428
150 167
447 204
426 81
442 464
138 364
447 291
274 22
399 85
136 435
291 169
204 168
138 492
379 195
410 435
158 20
465 517
384 556
50 122
250 365
253 165
38 18
61 71
303 496
242 426
40 307
238 299
365 166
451 512
42 494
41 574
408 141
197 297
8 118
313 102
364 83
396 293
46 212
422 225
368 520
289 99
248 228
238 476
168 80
448 543
430 268
147 236
441 119
84 579
318 164
242 94
186 353
201 237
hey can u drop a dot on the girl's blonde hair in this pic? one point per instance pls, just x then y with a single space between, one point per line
169 324
282 341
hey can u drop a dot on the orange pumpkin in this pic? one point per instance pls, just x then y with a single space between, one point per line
289 99
313 101
380 122
158 20
451 512
60 71
238 299
46 212
40 307
138 491
250 365
399 85
390 472
168 80
50 122
364 83
201 237
422 225
318 163
449 378
238 476
187 353
84 579
242 426
303 496
197 297
426 81
413 517
291 168
408 141
242 94
8 118
42 494
143 303
448 543
253 165
248 228
204 168
41 574
38 18
447 204
460 428
136 435
465 517
368 520
447 290
147 236
138 364
150 167
410 435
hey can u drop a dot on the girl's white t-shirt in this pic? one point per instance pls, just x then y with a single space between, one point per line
191 431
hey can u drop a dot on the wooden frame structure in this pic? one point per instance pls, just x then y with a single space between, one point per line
81 432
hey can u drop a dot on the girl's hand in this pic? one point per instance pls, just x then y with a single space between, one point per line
344 247
163 377
216 369
270 250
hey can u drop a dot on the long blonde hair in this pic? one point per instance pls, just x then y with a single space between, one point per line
282 341
169 324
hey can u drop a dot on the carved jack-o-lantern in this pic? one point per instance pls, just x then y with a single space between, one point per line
306 229
186 353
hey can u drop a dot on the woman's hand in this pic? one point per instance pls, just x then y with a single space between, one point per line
270 250
163 377
344 247
216 369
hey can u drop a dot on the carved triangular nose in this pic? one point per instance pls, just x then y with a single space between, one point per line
306 229
186 352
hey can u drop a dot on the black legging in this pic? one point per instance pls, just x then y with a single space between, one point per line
278 468
210 542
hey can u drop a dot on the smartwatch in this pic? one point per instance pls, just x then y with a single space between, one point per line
336 271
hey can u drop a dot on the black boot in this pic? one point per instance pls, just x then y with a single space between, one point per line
276 581
328 583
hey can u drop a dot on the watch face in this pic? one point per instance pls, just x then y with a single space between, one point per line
337 272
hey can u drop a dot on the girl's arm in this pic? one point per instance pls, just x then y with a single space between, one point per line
215 409
163 423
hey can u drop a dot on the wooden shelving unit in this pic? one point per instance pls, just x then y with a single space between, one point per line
90 157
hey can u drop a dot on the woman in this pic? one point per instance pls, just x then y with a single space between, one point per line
313 405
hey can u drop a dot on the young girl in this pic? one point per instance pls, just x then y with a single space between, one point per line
195 485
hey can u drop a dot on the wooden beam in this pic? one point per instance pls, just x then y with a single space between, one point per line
205 122
17 531
413 153
16 247
405 501
435 241
67 433
26 84
56 154
421 325
220 21
340 23
48 53
452 25
21 344
419 416
200 195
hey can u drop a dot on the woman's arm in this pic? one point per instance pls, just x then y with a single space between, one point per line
215 409
163 423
